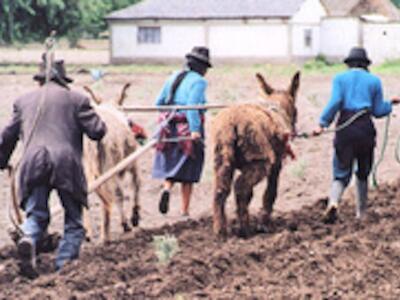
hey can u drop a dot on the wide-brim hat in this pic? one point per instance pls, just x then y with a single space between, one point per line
57 71
201 54
357 54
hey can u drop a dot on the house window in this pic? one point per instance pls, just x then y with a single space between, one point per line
149 35
308 38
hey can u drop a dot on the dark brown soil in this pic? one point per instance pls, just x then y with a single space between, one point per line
299 258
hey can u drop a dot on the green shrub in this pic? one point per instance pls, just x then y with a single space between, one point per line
165 247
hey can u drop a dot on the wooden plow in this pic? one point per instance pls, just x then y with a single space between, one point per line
123 164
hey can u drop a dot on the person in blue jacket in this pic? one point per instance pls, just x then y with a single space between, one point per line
354 91
182 161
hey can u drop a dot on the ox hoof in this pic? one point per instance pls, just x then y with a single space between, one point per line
126 227
220 234
135 218
244 233
135 221
262 228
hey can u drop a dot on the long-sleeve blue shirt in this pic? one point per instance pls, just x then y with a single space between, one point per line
191 91
355 90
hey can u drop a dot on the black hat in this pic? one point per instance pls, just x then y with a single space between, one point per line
201 54
57 71
357 54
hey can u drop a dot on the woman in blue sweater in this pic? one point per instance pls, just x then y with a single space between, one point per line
183 161
354 91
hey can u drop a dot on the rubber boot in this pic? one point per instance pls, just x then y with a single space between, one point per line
337 190
362 197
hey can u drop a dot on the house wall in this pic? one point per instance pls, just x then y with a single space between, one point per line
307 22
253 39
176 40
310 12
122 37
227 39
382 41
338 36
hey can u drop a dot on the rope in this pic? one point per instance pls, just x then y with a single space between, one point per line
342 126
385 139
49 58
397 150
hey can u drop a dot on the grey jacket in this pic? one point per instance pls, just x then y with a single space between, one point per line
54 155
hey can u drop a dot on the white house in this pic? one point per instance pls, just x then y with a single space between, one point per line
160 30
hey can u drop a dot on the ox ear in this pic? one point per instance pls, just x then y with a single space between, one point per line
96 99
294 85
265 87
123 95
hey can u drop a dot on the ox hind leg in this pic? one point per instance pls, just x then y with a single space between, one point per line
136 190
270 193
223 181
106 200
250 175
120 204
87 224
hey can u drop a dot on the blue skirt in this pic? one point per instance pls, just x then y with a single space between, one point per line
174 165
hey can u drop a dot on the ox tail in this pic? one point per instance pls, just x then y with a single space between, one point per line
225 152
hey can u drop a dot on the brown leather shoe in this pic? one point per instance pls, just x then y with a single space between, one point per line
163 206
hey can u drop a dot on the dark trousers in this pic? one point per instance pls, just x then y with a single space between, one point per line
353 159
354 148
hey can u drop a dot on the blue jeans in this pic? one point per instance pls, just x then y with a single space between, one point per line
38 218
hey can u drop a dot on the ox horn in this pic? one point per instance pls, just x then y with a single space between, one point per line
92 94
123 96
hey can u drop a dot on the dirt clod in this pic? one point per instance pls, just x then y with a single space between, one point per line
300 257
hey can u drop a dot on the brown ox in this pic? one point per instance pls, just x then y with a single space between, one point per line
252 138
99 157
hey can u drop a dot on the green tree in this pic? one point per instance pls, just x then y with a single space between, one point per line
32 20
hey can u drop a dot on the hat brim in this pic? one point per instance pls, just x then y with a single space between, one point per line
41 77
199 58
353 59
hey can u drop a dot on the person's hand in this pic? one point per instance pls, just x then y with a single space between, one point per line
395 100
318 131
195 135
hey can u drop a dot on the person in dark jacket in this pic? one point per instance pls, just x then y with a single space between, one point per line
183 161
51 131
357 94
